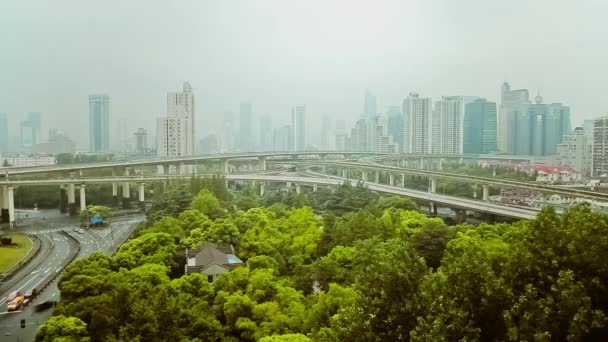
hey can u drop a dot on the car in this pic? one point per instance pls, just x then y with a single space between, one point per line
80 231
12 296
45 305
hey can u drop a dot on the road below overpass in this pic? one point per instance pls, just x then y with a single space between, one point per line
60 243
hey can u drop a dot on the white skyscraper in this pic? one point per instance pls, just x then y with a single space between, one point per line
175 133
447 126
575 151
416 121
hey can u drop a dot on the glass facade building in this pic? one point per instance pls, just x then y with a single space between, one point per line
479 127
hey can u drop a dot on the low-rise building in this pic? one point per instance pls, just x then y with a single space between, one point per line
27 161
212 260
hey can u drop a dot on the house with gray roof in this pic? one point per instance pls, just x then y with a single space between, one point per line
212 260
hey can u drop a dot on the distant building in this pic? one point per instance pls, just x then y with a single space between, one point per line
28 161
181 105
58 143
27 136
266 140
3 133
175 132
282 139
35 120
326 134
99 112
298 128
600 147
372 135
446 123
575 152
228 141
479 127
141 141
416 112
245 136
212 260
209 145
513 105
370 106
395 124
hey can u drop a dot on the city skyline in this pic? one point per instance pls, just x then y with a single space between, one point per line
257 62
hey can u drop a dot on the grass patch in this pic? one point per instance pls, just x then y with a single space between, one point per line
10 255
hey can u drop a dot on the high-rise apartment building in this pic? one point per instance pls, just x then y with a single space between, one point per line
416 112
27 136
99 116
3 132
298 127
181 105
370 107
245 136
479 127
600 147
36 122
266 139
175 132
575 151
141 141
447 121
371 135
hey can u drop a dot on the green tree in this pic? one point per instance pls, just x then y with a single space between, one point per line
155 248
206 203
62 329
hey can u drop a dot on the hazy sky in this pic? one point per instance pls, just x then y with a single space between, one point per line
277 54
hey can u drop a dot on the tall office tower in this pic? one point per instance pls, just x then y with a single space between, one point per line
371 135
298 128
172 136
27 136
370 107
266 140
228 140
245 127
181 105
447 121
141 141
479 127
99 115
395 124
588 127
416 114
513 109
3 133
34 119
282 139
575 151
600 147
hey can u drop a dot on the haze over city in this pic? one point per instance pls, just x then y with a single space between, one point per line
279 54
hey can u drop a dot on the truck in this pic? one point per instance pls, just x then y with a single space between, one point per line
16 303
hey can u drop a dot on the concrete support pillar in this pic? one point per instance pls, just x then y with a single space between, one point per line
115 193
421 164
166 169
433 209
11 206
71 193
440 164
324 169
83 199
226 166
4 217
486 192
364 176
314 188
298 188
391 179
344 173
262 164
141 193
433 186
403 180
377 176
262 186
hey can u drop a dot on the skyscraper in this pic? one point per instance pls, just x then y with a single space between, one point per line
600 147
370 107
395 124
99 113
27 136
3 132
282 139
245 127
266 139
479 127
513 108
327 142
416 113
371 135
298 127
448 117
181 104
35 121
